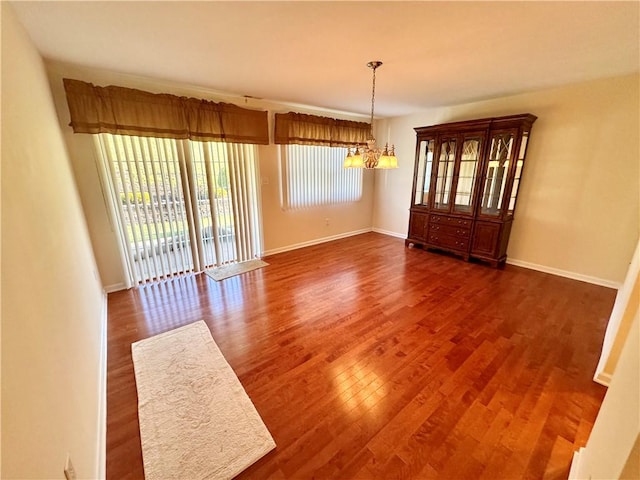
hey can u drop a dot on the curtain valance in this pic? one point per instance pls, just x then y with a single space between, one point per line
127 111
305 129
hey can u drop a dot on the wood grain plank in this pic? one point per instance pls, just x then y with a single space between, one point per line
366 360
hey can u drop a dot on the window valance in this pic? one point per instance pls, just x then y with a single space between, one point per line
127 111
305 129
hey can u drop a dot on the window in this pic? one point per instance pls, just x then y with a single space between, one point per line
314 175
181 205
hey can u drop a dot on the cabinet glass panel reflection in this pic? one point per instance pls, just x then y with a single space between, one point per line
423 180
467 175
496 174
444 177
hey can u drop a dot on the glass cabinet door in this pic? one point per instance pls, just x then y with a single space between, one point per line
444 174
518 173
467 172
423 174
496 173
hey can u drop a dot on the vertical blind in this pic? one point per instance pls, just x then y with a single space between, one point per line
181 205
226 175
314 175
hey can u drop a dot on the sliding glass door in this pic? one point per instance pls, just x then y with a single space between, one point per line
227 201
179 205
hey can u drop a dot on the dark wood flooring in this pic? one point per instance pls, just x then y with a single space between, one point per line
366 359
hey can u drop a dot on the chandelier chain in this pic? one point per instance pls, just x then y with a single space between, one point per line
373 96
371 156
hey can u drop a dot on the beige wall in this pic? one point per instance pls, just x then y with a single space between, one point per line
613 444
617 425
624 310
282 229
631 469
578 202
52 303
578 208
624 328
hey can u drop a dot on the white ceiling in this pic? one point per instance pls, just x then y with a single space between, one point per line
315 53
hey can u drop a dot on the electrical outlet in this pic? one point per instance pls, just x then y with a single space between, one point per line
69 471
326 221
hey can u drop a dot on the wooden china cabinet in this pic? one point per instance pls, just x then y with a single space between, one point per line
465 185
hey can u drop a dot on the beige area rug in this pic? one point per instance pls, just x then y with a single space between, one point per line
196 420
226 271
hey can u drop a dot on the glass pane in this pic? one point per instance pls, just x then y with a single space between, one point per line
467 174
516 180
496 174
445 174
523 146
425 162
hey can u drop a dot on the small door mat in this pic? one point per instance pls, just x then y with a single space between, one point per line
226 271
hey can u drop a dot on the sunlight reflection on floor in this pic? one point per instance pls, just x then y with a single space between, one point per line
168 304
360 388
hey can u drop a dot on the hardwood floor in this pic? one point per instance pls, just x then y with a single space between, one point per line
369 360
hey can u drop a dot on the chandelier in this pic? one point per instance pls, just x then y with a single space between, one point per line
371 156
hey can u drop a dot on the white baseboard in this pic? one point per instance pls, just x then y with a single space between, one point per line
574 472
316 241
101 450
116 287
602 378
564 273
389 232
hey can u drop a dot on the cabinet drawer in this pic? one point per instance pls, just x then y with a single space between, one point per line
460 232
448 241
450 221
